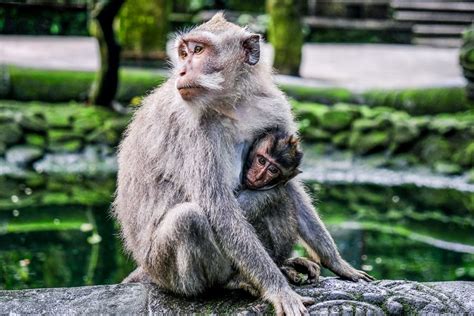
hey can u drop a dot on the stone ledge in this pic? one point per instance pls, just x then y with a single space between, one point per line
333 296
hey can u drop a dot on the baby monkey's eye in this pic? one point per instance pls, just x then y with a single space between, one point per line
273 169
261 160
198 49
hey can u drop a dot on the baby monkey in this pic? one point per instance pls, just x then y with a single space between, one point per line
273 159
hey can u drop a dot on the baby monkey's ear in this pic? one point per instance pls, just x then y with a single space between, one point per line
293 140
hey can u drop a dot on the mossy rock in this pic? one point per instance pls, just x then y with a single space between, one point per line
65 146
434 148
118 124
447 168
58 119
336 120
365 125
35 140
445 124
23 155
3 148
103 136
364 143
61 135
10 133
316 134
470 176
341 139
405 132
33 122
465 155
7 117
310 111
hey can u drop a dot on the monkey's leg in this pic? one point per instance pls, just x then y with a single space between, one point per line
184 257
316 237
294 267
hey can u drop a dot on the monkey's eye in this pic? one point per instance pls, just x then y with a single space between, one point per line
198 49
273 169
261 160
182 53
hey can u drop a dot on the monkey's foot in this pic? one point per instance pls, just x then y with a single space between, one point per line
237 283
301 271
346 271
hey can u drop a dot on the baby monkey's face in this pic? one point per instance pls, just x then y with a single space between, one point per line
263 171
274 159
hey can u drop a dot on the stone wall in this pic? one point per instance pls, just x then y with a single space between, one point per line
445 142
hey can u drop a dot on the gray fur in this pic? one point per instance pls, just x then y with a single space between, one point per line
177 170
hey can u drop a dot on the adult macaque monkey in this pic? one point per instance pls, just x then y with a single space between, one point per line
180 161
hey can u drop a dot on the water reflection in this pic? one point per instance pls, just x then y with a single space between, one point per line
58 232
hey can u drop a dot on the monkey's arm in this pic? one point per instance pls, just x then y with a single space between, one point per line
316 237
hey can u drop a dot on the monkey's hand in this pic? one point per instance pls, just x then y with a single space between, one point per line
287 302
346 271
295 270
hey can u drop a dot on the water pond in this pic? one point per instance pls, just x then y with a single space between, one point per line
56 231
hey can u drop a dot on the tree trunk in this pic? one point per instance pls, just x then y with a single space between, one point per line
106 83
286 34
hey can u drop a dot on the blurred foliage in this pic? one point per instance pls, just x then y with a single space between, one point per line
286 35
37 20
143 28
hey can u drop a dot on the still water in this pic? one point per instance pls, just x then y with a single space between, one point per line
56 231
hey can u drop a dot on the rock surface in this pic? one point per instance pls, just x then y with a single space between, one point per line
333 296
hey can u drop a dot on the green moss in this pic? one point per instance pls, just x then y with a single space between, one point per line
10 133
35 139
366 143
59 135
319 95
65 146
62 86
421 101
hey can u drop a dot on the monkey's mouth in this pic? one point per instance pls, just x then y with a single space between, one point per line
188 87
249 184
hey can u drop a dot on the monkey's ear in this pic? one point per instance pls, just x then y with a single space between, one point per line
251 47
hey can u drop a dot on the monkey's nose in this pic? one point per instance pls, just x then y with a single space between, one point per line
182 72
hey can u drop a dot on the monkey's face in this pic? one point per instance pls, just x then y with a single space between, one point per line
273 160
213 60
196 74
262 172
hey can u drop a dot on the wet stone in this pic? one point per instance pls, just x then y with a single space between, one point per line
23 155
